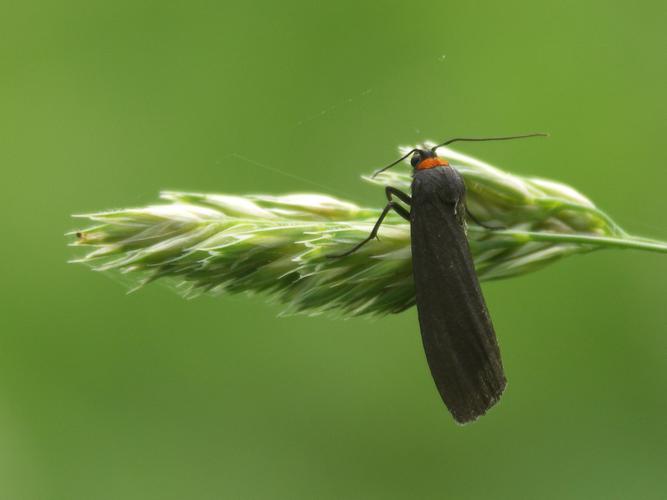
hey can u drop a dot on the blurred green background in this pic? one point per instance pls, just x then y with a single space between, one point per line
105 395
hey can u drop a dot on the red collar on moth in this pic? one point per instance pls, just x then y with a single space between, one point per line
431 163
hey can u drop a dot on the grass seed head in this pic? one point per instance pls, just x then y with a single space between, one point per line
278 245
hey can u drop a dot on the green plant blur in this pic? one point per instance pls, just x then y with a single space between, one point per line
105 395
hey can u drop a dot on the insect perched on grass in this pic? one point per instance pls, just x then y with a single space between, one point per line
277 247
458 336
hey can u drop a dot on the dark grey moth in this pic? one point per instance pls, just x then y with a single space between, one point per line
457 333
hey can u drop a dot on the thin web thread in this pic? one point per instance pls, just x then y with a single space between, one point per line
288 174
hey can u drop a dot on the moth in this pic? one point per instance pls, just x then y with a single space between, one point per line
456 329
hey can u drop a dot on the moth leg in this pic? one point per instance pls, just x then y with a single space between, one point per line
392 205
400 210
390 192
476 221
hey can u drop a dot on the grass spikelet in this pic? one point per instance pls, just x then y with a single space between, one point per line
278 245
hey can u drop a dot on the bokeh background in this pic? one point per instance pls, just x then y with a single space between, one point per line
105 395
